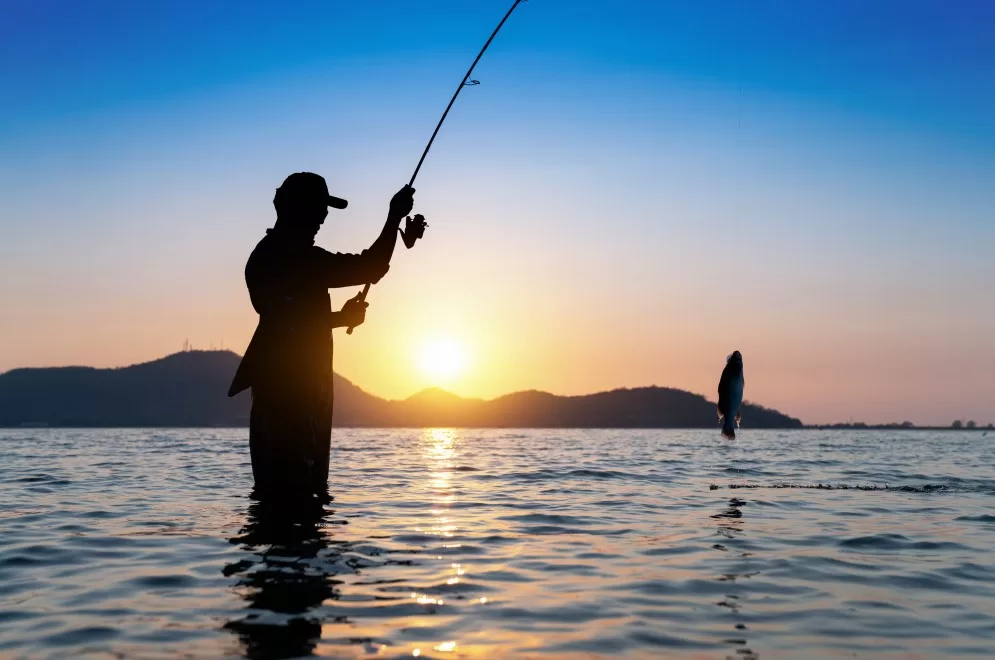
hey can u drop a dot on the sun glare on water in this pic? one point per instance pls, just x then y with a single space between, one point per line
442 359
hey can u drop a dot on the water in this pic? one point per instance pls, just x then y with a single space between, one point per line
498 544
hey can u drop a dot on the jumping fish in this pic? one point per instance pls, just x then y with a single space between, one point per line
731 386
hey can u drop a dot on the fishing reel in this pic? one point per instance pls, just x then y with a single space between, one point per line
414 228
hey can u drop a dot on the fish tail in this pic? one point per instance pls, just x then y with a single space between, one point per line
729 427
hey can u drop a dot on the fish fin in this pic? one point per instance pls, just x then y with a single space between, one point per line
739 418
718 411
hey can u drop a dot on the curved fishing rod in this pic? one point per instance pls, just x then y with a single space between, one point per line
463 83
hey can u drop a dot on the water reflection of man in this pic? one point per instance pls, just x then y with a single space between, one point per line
279 579
288 364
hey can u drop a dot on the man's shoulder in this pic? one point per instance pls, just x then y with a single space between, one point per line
273 252
267 241
265 252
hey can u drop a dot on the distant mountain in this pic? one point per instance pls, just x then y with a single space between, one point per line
190 389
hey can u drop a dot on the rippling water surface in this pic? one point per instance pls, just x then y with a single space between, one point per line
498 544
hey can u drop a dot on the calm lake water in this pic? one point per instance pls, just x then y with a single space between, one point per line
501 544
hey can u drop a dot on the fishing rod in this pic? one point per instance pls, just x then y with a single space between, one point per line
463 83
418 225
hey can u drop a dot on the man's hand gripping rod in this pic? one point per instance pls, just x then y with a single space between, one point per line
362 298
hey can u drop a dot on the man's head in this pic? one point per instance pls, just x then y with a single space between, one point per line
302 202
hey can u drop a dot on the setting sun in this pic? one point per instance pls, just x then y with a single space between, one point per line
442 359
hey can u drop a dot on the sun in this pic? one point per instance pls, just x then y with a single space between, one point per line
442 359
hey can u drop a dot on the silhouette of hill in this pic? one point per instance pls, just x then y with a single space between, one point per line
190 389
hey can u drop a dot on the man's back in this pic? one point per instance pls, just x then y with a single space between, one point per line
293 341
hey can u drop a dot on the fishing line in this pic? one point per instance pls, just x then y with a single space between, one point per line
466 82
925 488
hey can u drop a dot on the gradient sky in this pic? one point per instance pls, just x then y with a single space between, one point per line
634 191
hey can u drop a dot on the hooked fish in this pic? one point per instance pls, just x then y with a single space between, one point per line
731 386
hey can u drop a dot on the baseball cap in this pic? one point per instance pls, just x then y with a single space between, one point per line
307 186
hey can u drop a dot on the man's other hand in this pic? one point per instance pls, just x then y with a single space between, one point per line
354 311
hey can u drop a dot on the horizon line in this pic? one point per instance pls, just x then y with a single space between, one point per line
905 424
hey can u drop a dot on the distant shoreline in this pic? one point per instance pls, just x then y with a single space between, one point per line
189 390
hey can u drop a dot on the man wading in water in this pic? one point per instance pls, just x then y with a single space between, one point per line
288 363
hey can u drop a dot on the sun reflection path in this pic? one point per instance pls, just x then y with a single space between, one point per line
440 451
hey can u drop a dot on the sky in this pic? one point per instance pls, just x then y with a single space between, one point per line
633 191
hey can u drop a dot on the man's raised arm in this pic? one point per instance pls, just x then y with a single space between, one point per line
338 270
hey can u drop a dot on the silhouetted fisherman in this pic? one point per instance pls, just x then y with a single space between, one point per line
288 363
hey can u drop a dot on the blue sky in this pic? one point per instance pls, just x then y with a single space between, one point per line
808 181
926 62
